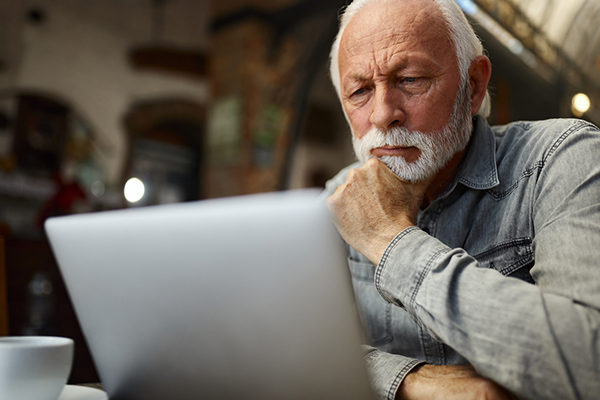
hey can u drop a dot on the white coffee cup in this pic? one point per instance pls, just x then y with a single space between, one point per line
34 367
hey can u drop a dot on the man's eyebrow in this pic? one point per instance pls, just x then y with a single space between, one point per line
356 77
353 79
417 63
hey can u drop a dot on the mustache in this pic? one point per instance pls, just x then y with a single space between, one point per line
395 137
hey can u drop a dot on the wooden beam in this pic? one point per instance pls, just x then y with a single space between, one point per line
170 60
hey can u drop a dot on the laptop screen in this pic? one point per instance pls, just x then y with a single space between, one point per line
244 297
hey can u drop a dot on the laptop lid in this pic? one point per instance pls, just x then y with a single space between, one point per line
245 297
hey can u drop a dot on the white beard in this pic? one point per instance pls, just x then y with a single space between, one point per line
437 147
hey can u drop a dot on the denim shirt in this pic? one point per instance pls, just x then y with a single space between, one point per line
502 270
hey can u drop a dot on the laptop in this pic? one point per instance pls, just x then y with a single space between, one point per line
237 298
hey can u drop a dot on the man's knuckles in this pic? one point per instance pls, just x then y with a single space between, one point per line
372 163
341 197
354 175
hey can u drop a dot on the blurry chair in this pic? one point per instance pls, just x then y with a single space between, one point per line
3 294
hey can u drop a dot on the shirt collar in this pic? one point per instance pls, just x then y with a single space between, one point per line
478 169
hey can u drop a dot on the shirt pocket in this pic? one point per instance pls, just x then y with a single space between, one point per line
375 312
512 258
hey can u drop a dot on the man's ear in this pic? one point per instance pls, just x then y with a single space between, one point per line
480 72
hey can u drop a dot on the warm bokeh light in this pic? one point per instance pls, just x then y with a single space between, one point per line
580 103
134 190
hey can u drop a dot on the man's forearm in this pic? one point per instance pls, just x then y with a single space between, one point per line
508 329
449 382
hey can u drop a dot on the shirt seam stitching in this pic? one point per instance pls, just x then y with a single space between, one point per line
539 165
386 253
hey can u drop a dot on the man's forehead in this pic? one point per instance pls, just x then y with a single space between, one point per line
408 22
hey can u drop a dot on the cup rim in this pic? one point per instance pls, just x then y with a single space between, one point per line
35 341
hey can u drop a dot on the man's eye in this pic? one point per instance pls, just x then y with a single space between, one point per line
359 92
410 79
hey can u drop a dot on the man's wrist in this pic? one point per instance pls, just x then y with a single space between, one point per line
383 240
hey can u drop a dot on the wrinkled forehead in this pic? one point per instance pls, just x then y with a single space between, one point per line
412 24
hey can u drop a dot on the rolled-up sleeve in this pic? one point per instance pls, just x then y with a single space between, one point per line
387 371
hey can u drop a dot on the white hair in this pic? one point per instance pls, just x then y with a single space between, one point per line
467 44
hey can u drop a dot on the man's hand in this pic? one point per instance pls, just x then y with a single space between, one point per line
373 206
449 382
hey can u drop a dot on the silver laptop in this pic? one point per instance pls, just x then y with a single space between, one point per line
238 298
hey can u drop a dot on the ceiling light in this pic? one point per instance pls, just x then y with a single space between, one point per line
580 104
134 190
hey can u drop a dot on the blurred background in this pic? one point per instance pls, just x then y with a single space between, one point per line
108 104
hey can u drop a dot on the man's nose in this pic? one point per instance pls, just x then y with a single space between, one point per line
386 109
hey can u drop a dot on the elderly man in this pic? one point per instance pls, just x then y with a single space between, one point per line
474 251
